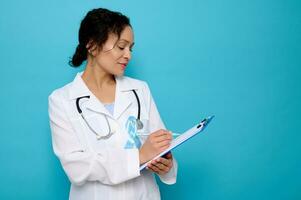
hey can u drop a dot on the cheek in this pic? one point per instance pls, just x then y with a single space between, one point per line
109 61
105 60
116 55
111 58
109 64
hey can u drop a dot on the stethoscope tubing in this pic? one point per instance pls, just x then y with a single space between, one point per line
110 132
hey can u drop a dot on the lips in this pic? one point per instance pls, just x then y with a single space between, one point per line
123 65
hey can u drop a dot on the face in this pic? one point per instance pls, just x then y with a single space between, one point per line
115 54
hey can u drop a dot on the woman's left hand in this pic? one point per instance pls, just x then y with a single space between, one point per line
161 165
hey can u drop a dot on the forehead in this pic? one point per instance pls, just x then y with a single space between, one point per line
126 35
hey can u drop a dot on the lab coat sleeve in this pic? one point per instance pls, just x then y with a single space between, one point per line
111 166
156 123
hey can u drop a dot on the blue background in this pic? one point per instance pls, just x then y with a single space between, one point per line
239 60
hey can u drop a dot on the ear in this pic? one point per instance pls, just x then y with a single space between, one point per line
89 44
92 48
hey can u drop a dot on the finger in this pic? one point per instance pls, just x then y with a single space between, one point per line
149 167
158 169
168 163
162 167
161 132
154 168
164 161
163 137
162 148
163 143
159 164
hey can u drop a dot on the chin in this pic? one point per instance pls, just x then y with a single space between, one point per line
119 74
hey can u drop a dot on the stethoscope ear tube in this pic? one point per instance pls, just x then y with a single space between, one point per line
138 121
138 101
77 104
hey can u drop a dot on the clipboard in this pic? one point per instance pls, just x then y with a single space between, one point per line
182 138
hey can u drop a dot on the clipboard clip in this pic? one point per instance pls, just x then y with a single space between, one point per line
205 121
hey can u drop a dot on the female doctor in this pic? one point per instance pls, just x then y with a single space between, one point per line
105 125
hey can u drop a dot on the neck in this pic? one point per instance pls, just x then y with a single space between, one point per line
97 79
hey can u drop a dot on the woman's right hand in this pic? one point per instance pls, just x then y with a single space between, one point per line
155 143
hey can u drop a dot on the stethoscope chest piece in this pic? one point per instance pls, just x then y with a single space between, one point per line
100 137
139 124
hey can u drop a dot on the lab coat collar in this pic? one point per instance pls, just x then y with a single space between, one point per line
123 98
78 87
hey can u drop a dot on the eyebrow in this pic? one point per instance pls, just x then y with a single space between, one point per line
128 42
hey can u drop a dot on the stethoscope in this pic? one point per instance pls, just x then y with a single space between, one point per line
110 132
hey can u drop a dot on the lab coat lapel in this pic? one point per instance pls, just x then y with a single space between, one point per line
122 97
79 89
95 105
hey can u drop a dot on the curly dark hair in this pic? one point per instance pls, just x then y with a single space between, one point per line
96 27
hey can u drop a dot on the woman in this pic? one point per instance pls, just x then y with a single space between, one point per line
105 125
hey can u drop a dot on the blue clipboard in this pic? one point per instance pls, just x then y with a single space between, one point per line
183 138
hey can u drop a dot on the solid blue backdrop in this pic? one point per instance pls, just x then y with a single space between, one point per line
238 60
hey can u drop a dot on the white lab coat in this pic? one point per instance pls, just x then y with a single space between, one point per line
104 169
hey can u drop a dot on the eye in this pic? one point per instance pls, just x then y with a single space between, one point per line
121 48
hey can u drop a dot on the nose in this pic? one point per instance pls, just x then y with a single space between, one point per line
127 55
